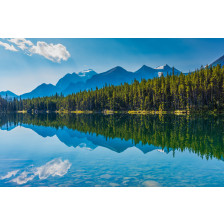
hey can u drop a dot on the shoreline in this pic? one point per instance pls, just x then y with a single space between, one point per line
131 112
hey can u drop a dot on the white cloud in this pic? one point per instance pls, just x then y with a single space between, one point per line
8 46
55 53
55 167
22 43
9 174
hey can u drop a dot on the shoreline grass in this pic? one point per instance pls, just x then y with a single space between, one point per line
131 112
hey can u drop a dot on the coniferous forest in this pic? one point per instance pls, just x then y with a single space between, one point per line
202 90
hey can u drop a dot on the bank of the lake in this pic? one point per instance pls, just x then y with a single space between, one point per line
134 112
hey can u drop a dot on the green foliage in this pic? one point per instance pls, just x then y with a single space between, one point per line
4 105
200 135
202 90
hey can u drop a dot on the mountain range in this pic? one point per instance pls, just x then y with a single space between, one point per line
7 94
89 79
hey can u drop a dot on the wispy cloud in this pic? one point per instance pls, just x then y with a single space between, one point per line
8 46
52 52
22 43
55 167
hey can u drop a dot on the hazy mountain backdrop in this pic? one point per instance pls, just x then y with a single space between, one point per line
89 79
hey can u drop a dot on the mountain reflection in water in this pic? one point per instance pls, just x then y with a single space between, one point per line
201 135
170 134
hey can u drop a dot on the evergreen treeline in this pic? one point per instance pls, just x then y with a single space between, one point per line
200 135
5 106
201 90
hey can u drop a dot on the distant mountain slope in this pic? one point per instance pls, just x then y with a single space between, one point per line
146 72
73 78
41 91
118 75
8 94
89 79
87 74
73 88
166 69
68 79
218 61
114 76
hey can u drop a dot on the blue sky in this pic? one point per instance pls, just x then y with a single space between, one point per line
26 63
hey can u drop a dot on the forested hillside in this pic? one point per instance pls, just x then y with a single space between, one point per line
201 90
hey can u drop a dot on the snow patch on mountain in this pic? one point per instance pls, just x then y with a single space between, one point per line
163 67
87 73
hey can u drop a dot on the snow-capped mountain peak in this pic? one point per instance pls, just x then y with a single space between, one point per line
165 67
87 73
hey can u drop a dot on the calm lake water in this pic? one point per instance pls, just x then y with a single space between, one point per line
111 150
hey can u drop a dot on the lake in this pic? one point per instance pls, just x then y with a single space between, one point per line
120 150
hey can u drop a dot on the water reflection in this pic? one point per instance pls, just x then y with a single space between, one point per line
113 150
203 136
9 174
55 167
